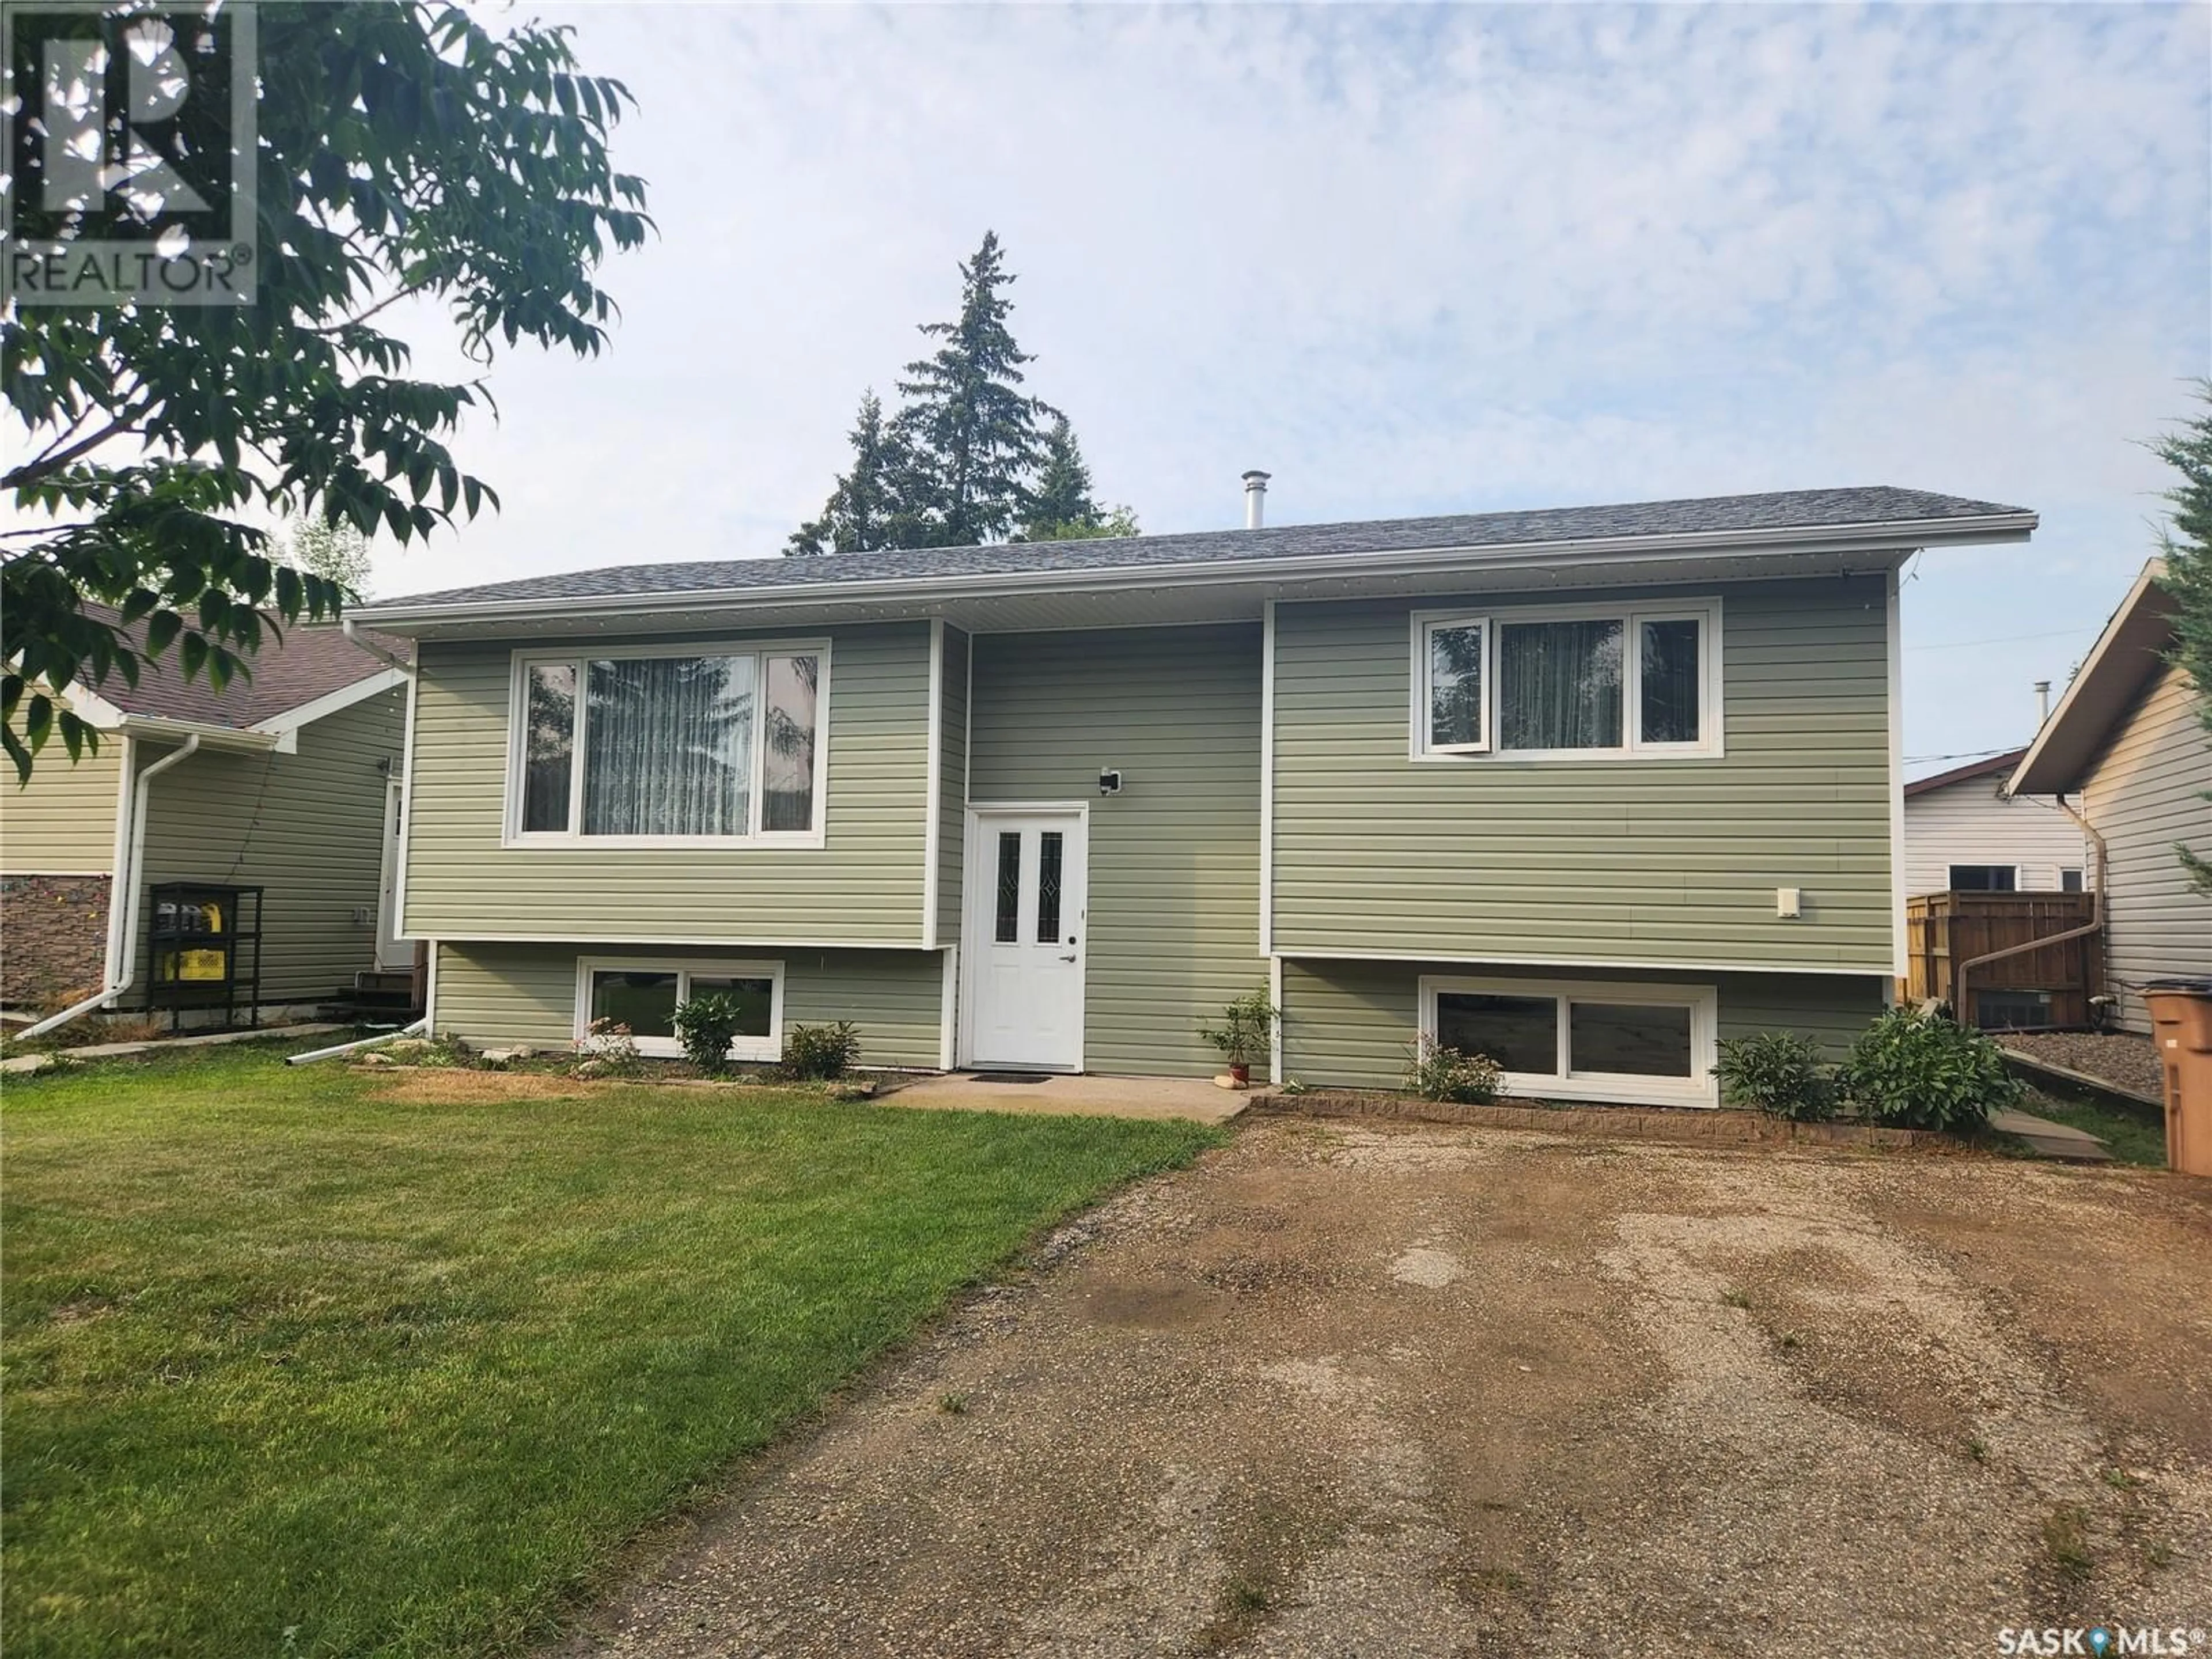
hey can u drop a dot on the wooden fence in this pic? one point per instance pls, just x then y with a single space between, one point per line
1943 930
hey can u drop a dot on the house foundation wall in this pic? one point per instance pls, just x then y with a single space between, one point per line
53 937
1353 1024
491 994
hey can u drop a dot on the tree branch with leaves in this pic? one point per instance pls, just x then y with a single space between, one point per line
404 149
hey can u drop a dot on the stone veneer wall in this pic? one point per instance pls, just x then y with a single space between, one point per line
53 936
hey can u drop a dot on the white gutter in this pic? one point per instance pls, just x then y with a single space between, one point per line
1620 549
417 1029
127 872
348 627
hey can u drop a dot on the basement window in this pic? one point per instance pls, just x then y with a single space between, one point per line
1572 1039
644 994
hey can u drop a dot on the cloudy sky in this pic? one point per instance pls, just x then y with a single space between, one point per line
1414 261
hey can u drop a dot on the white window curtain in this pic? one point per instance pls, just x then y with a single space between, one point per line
1559 684
668 746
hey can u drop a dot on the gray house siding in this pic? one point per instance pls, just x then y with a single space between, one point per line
2146 793
1351 1024
1173 924
63 821
1632 861
865 886
307 828
491 994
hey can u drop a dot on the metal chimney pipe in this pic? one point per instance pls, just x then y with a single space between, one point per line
2042 702
1256 499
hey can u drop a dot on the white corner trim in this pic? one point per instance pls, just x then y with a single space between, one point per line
948 1009
1275 1031
406 813
1267 778
119 860
332 702
934 793
430 988
1900 941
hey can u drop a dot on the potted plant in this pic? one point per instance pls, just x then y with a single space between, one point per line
1246 1025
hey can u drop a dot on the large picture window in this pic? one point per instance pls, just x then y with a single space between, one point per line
639 746
645 994
1580 1041
1586 682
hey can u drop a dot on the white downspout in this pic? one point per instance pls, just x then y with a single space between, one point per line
127 876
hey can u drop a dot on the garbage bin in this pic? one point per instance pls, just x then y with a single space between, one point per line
2181 1026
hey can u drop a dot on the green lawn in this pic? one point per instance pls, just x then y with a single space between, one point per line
293 1367
2131 1138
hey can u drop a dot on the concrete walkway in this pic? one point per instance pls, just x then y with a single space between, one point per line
2050 1140
1073 1096
45 1057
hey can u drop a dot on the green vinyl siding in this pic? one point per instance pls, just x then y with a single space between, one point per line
62 822
864 886
1622 860
307 828
489 994
1173 927
1349 1024
952 784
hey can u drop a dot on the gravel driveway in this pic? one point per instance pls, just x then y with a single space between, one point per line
1395 1390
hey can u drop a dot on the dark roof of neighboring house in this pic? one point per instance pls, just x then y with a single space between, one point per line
1715 515
2131 649
1980 768
310 660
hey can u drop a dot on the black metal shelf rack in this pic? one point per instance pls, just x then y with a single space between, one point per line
204 951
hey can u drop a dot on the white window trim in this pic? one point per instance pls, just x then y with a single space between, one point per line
684 968
1703 1001
512 834
1711 743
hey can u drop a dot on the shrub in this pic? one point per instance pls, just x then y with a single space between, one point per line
1436 1072
823 1052
1781 1074
608 1050
1246 1025
1921 1071
707 1026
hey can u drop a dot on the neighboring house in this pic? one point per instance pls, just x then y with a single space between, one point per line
1963 834
1585 790
293 787
2126 739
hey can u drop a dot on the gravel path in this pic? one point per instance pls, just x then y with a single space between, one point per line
2126 1061
1403 1391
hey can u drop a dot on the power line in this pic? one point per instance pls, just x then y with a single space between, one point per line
1963 754
2007 639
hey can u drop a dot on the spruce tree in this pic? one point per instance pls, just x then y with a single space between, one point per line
2186 547
974 433
1060 507
867 509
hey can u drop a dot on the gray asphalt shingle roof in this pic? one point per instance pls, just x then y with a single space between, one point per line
1808 509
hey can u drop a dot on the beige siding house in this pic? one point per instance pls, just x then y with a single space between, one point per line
289 782
1587 789
2129 739
1963 833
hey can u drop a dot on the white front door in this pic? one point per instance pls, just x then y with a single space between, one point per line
1023 941
393 953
